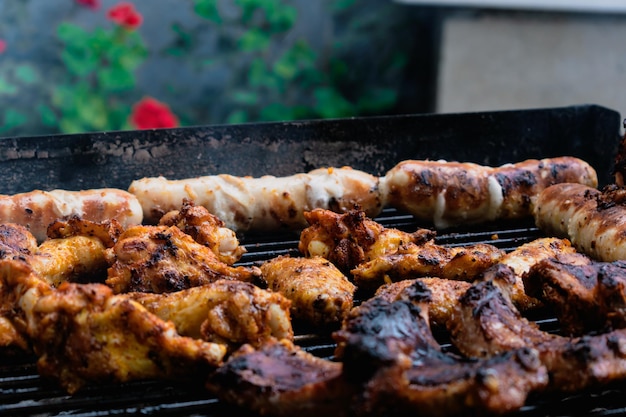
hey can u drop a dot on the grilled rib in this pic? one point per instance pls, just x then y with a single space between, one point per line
409 373
486 323
280 379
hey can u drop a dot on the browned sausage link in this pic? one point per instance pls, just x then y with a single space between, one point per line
452 193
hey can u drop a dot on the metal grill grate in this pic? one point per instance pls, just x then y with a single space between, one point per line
24 393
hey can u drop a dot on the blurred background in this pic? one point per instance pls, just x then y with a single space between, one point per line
69 66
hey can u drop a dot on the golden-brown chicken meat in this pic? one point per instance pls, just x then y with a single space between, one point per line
225 311
351 238
164 259
206 229
84 333
429 259
320 294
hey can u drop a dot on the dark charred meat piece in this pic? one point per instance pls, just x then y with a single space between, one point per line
487 324
281 379
586 295
444 295
453 193
408 372
164 259
509 271
427 260
352 238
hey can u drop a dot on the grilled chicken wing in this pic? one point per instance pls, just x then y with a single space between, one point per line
429 259
408 373
515 264
38 209
83 333
351 238
263 203
225 311
164 259
486 323
593 220
281 379
206 229
320 294
452 193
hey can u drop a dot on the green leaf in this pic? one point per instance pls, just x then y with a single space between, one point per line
92 112
13 118
260 77
79 62
6 88
116 79
330 104
208 10
48 117
27 74
342 5
254 40
72 35
68 125
282 18
276 111
245 98
377 100
237 116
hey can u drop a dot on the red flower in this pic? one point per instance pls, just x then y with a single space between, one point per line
92 4
150 113
3 46
125 14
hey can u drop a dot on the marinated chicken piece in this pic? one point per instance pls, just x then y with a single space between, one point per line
429 259
518 262
206 229
281 379
351 238
164 259
225 311
108 231
445 293
488 324
16 240
593 220
586 296
38 209
453 193
408 373
84 333
263 203
321 295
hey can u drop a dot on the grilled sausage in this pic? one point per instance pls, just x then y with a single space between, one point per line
453 193
38 209
263 203
593 220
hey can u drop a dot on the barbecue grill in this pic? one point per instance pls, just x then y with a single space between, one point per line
375 144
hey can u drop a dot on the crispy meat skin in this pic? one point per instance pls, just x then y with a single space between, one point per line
38 209
320 294
164 259
508 273
351 238
206 229
108 231
407 371
586 295
428 259
263 203
280 379
453 193
444 295
225 311
83 333
487 324
593 220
